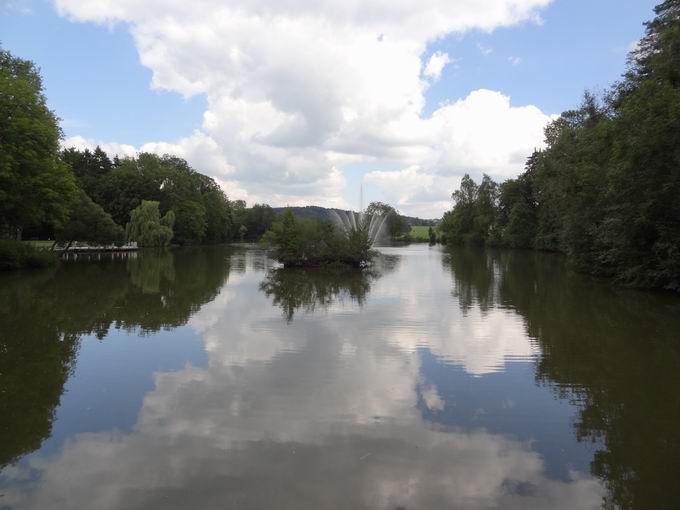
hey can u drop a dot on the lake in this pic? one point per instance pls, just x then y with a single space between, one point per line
209 378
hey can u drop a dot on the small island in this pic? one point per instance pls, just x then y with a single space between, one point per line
299 242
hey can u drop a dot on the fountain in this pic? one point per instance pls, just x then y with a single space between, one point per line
347 221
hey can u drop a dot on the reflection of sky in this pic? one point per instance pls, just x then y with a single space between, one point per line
507 403
113 376
402 402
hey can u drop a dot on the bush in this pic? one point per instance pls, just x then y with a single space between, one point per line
147 228
303 242
18 255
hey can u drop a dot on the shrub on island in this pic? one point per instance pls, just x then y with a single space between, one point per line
297 242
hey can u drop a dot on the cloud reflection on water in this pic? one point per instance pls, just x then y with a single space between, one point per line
314 412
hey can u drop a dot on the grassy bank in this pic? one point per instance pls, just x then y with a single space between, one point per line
45 245
419 233
20 255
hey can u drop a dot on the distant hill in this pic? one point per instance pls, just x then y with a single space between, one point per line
420 222
318 213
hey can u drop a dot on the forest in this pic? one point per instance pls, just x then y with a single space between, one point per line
605 190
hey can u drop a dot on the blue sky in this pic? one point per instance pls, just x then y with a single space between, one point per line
96 83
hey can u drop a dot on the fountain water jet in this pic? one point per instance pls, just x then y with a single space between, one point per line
347 221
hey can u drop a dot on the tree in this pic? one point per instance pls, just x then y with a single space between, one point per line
395 222
35 186
300 242
258 219
219 226
90 223
473 217
658 52
89 168
458 224
605 189
517 208
203 211
147 228
191 223
486 205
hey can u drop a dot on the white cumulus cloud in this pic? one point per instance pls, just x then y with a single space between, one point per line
482 133
436 65
297 89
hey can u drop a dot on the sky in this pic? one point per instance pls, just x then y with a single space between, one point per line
303 102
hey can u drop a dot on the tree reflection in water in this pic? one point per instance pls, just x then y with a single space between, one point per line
45 313
613 353
294 289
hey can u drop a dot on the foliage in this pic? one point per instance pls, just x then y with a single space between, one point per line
88 222
473 218
147 228
605 189
250 224
20 254
423 234
35 185
432 236
202 211
300 242
46 192
88 167
219 222
397 226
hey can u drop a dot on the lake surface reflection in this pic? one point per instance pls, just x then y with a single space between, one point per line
209 378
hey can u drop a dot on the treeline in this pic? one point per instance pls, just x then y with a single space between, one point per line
606 189
161 199
72 195
201 211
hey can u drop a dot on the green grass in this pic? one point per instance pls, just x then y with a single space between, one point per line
19 255
420 232
40 244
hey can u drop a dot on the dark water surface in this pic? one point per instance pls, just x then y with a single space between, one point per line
207 378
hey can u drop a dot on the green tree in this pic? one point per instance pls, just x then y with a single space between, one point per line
35 186
242 232
517 209
203 211
486 206
88 222
396 225
190 222
219 223
605 189
298 242
432 235
473 217
147 228
89 167
258 219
